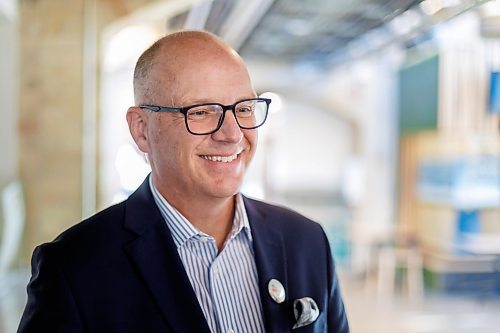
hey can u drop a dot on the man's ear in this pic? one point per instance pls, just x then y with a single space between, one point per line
137 120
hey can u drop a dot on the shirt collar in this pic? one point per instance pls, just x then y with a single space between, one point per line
182 230
240 221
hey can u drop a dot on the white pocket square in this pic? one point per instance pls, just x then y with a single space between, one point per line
305 310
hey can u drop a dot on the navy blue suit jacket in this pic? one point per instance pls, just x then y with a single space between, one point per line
119 271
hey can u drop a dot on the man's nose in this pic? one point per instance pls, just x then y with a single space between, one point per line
230 130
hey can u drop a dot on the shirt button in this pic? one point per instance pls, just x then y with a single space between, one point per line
230 331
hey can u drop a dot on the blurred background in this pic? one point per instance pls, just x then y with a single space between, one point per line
385 128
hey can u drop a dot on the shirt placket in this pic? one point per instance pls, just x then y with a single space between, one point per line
218 289
223 292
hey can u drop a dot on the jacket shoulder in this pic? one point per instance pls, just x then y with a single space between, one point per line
92 241
284 219
95 225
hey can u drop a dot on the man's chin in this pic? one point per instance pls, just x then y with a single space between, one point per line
224 191
225 194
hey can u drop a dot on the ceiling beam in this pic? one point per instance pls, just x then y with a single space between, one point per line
242 20
198 15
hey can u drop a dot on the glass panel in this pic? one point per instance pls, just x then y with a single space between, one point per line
251 113
204 118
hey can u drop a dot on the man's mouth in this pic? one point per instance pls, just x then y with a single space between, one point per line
220 158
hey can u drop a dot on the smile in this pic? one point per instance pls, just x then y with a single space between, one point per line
223 159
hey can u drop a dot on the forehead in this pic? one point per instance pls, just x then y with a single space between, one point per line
199 74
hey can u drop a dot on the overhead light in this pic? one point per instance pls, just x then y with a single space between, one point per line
431 7
491 8
406 22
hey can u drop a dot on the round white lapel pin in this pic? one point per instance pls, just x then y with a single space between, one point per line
276 291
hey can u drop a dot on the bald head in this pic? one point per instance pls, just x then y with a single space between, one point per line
158 69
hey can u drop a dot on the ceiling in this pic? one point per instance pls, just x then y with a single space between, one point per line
313 30
319 32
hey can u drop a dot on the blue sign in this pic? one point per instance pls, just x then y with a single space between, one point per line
465 183
494 103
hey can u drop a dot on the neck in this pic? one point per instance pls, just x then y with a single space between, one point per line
213 216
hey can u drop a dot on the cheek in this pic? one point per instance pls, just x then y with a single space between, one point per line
164 139
182 150
163 149
256 138
252 137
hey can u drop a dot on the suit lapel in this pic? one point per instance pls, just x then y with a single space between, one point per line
155 255
270 258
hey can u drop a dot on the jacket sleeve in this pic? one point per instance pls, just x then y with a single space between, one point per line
51 306
336 315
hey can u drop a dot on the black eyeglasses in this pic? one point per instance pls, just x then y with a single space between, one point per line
203 119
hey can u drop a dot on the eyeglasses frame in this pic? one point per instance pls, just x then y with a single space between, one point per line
185 109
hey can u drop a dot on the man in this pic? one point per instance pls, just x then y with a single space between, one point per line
186 252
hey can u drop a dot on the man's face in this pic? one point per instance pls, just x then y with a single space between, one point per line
190 165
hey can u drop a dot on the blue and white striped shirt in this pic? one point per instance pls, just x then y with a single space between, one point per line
225 283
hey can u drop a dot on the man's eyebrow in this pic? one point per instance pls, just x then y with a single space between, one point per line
211 100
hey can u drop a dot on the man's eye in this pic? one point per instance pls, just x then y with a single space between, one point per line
199 113
245 111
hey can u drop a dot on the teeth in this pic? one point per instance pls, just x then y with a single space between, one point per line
224 159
